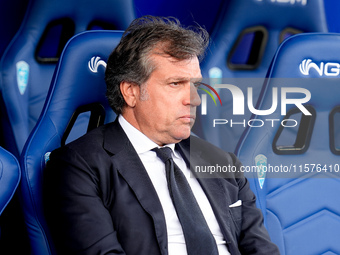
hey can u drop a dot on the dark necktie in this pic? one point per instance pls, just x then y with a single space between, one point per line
197 235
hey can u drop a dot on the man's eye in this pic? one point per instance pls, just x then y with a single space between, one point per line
176 83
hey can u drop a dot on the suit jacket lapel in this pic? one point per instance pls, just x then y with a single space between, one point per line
128 164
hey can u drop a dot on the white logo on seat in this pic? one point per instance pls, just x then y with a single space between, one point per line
94 63
326 69
261 165
305 65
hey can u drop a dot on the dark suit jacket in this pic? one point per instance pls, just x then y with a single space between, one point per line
99 199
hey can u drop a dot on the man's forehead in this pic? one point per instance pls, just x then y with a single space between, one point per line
188 69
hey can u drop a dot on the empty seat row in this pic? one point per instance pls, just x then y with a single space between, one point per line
292 156
27 65
243 44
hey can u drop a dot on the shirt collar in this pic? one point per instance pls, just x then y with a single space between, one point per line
140 142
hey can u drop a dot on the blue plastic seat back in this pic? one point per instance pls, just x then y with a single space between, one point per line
77 87
9 181
28 63
11 15
298 194
332 8
244 41
191 12
9 177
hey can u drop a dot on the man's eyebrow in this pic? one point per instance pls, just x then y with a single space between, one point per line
195 80
181 78
177 78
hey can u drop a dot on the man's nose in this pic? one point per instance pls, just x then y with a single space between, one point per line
192 97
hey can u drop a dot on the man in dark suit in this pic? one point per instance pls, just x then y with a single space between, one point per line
114 192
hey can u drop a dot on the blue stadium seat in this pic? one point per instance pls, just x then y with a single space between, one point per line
298 194
9 181
244 41
11 15
9 177
77 87
191 12
332 8
27 66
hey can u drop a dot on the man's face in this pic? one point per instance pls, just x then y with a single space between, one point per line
166 108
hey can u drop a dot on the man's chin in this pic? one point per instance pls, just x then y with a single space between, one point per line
183 135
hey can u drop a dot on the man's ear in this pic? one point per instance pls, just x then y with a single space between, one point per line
130 92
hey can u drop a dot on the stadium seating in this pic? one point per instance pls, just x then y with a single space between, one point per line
9 177
301 212
11 15
9 181
28 63
190 13
332 8
298 194
77 87
244 41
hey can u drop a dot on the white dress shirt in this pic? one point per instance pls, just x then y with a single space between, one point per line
156 171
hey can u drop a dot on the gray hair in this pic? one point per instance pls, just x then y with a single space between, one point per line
130 61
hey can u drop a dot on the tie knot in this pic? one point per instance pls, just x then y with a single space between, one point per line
163 153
